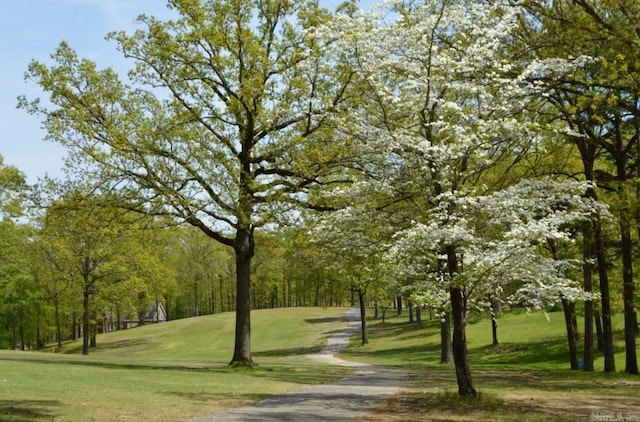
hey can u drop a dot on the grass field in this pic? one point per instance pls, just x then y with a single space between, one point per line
170 371
178 370
526 377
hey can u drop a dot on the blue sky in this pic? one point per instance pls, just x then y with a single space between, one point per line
31 29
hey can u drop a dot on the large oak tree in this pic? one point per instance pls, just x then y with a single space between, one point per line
223 118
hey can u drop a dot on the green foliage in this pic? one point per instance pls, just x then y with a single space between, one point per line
12 184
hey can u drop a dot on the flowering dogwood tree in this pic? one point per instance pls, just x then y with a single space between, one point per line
443 103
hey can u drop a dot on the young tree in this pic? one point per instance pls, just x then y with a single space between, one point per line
225 118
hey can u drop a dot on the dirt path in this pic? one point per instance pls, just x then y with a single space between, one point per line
346 400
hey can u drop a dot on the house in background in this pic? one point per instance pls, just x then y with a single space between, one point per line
153 313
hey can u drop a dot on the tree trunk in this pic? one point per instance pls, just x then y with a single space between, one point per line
605 301
419 315
74 325
221 281
58 328
399 304
569 309
460 354
85 322
459 317
410 306
244 249
212 308
587 273
363 319
196 298
631 362
599 335
494 329
446 348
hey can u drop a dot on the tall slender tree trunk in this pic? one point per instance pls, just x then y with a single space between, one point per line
399 304
599 336
221 281
605 302
244 249
631 362
588 149
196 298
74 326
85 321
56 307
587 273
569 309
363 319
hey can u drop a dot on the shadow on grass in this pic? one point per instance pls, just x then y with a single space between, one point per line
325 320
550 351
448 406
209 397
124 365
293 351
133 342
27 410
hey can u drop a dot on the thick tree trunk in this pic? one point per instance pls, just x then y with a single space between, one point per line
244 249
446 348
419 315
459 317
460 354
363 319
569 309
399 305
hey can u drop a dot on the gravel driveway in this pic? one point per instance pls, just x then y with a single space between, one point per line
346 400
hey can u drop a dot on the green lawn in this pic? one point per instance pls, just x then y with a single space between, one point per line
526 377
178 370
168 371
